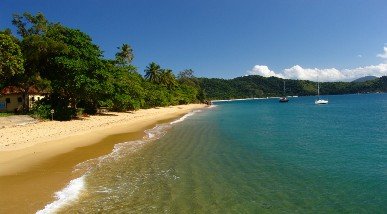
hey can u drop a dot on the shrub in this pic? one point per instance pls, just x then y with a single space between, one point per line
41 111
80 112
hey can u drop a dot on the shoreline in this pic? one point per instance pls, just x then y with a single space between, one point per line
32 173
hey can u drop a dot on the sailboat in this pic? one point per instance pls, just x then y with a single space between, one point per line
284 99
319 101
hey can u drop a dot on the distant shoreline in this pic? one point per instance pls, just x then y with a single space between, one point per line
37 159
255 98
265 98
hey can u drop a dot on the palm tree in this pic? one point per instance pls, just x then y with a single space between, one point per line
125 55
153 72
168 78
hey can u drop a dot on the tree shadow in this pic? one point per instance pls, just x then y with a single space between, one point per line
106 114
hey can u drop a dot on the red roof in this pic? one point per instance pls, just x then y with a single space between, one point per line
16 90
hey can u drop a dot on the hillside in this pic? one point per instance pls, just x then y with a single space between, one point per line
258 86
365 79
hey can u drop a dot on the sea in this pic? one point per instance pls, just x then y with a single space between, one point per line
245 156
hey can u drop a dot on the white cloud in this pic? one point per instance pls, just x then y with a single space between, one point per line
371 70
324 75
359 56
384 54
262 70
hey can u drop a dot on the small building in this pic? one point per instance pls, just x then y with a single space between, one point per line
11 98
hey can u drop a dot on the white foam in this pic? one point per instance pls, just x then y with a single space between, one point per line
157 132
66 196
151 135
185 116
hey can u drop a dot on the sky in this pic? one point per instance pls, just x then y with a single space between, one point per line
298 39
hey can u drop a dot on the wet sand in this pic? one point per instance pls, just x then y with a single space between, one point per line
29 177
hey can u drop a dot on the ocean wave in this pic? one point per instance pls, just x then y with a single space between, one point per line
72 191
156 132
66 196
185 116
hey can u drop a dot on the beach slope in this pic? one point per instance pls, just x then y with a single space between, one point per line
36 160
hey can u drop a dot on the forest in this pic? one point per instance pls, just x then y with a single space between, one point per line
65 64
257 86
70 69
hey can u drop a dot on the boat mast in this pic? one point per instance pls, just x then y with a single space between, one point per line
318 88
284 88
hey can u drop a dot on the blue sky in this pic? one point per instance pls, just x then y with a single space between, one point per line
297 39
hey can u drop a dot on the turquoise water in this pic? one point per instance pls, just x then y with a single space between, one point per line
256 156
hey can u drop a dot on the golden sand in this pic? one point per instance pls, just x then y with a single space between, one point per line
36 160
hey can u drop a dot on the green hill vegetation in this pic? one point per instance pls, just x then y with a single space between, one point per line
258 86
364 79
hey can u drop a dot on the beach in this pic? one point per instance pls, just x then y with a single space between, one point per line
36 160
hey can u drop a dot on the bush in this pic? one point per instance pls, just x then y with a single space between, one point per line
80 112
41 111
134 104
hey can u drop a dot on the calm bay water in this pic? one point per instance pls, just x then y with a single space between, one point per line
256 156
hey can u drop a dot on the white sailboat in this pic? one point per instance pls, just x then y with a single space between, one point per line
319 101
284 99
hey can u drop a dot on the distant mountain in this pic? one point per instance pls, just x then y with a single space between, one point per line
364 79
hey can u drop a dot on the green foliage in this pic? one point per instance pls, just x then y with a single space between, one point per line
189 94
11 58
155 95
87 107
125 56
63 113
186 77
66 63
6 114
122 102
126 91
80 112
36 48
28 24
167 78
153 72
258 86
41 110
77 72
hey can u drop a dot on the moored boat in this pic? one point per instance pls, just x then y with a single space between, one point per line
319 101
284 99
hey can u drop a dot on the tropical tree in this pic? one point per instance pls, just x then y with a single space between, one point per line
156 95
77 73
187 77
67 63
127 90
167 78
153 72
125 55
11 58
28 24
36 49
187 73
